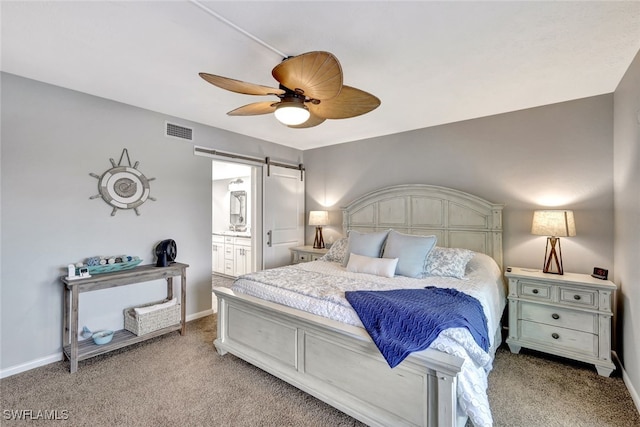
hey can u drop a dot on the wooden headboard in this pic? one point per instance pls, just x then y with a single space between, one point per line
456 218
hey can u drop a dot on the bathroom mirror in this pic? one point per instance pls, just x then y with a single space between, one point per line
238 210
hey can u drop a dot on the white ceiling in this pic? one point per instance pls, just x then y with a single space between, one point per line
430 63
226 170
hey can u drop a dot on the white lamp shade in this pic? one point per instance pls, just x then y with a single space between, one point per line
557 223
318 217
292 114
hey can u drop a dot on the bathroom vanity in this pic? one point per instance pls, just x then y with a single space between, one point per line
231 253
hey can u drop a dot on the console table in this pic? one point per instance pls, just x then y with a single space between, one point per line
76 351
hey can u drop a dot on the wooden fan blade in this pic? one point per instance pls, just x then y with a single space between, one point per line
312 121
239 86
317 74
351 102
255 109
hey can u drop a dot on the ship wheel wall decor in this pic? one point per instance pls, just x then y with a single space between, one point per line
123 186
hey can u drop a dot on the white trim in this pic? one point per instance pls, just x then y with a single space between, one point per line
627 381
13 370
202 151
199 315
57 357
214 154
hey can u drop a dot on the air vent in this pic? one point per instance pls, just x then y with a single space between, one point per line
177 131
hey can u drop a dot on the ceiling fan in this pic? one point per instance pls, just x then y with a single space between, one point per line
310 92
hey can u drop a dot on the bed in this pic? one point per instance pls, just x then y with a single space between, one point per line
332 357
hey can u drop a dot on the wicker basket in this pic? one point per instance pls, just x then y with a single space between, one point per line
141 324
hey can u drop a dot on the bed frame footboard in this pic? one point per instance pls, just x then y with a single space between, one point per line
339 364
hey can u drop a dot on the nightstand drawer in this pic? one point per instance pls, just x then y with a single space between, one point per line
581 297
306 254
304 257
534 290
569 339
553 316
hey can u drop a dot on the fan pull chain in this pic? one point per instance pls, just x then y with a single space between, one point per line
234 26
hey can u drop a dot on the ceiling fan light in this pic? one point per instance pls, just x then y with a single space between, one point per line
292 115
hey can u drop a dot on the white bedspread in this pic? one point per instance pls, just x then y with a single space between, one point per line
318 288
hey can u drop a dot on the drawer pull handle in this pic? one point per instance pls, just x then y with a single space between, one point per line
555 316
555 336
576 297
535 291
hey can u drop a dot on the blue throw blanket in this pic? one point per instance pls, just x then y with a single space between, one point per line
406 320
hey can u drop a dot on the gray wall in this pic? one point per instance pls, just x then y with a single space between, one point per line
557 155
627 218
52 138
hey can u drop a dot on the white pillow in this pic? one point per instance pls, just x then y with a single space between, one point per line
367 244
411 250
337 251
385 267
448 262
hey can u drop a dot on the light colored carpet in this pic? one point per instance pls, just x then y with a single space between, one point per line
221 281
174 380
536 389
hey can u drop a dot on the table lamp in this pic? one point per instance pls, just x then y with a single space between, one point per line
318 218
553 224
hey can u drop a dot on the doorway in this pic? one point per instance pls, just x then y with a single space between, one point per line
236 220
257 214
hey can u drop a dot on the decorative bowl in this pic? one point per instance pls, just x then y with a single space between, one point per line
108 268
102 337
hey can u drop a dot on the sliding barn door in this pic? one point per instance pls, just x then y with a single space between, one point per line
283 218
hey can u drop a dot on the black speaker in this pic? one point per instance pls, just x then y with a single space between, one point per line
166 252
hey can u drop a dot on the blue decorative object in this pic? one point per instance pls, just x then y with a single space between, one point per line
107 268
94 260
402 321
86 333
102 337
97 264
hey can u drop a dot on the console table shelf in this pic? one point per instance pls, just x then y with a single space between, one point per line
76 350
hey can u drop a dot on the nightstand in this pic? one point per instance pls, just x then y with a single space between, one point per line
305 254
567 315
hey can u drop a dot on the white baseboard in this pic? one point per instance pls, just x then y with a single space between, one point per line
199 315
627 381
23 367
30 365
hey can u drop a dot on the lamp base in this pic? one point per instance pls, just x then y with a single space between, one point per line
318 242
552 257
